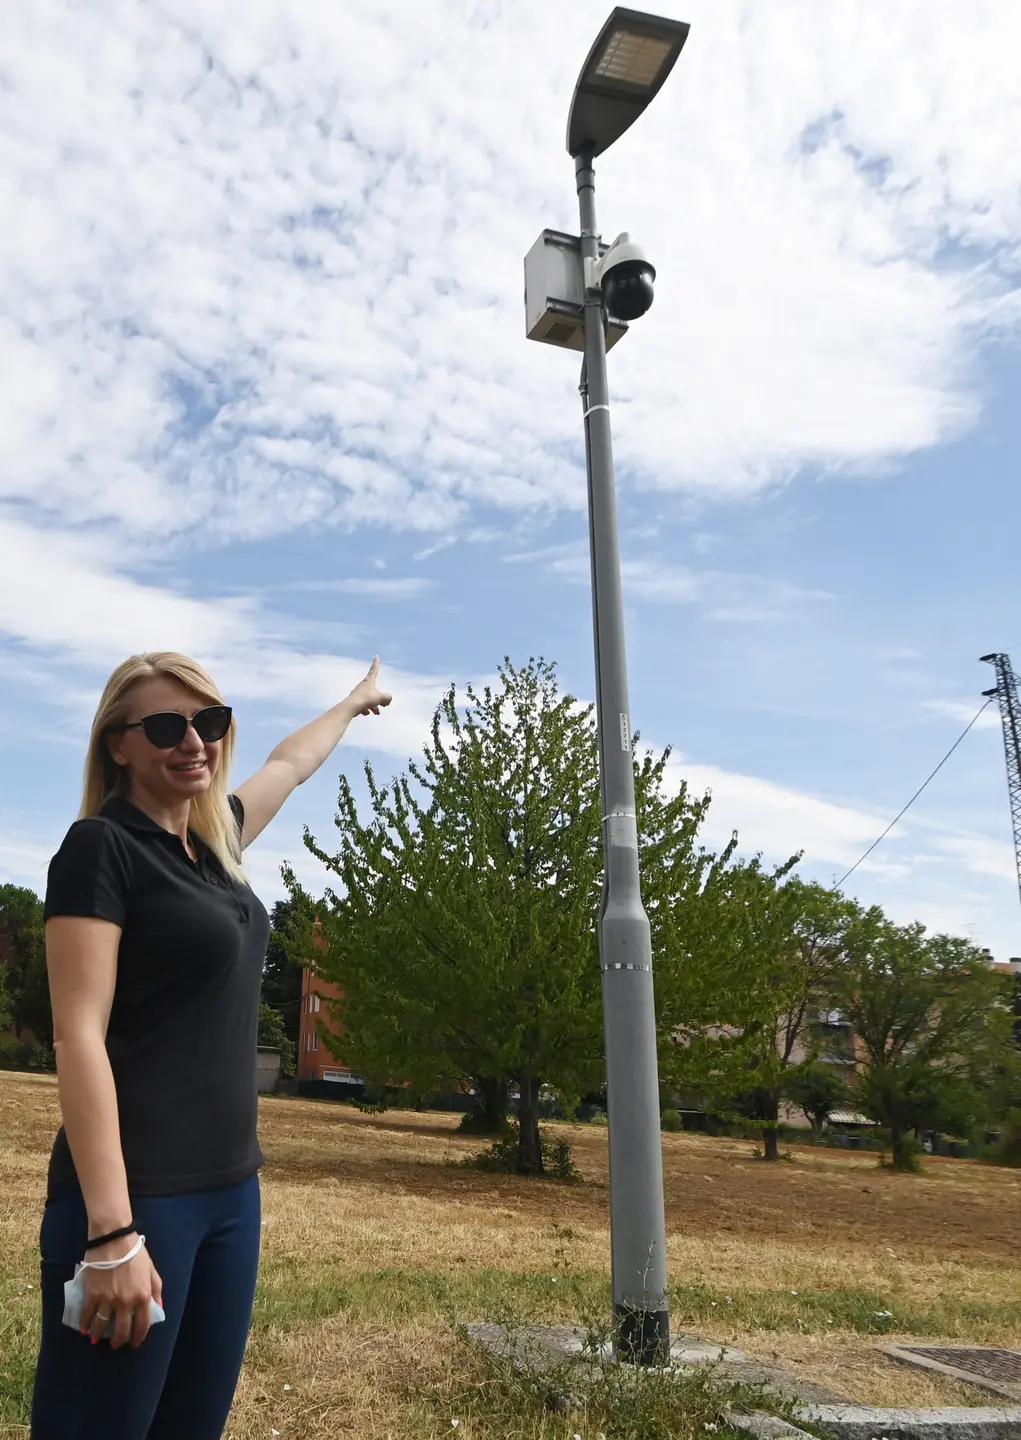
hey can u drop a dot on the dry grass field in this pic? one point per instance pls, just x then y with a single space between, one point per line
377 1247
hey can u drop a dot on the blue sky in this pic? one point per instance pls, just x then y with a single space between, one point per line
268 400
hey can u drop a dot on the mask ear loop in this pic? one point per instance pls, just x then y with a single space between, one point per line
113 1264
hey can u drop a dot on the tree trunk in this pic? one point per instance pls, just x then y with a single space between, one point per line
769 1114
529 1143
490 1110
902 1156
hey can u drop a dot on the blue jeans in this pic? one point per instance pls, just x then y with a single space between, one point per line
179 1383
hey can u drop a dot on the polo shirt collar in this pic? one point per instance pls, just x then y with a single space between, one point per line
123 811
127 814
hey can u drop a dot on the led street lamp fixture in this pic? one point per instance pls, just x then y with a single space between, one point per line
633 54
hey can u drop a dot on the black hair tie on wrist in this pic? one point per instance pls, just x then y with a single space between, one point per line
113 1235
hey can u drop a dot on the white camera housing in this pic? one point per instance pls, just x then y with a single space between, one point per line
625 277
622 249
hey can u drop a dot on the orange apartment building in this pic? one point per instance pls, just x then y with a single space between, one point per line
315 1061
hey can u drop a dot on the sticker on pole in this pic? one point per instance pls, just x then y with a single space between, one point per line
625 733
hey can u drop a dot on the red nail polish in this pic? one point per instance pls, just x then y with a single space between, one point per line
95 1340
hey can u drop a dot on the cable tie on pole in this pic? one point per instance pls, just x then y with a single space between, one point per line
588 412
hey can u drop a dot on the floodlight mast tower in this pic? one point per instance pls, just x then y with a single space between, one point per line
1005 691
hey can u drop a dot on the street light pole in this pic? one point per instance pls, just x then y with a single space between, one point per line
641 1322
580 294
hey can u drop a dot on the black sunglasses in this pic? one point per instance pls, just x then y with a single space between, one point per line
166 729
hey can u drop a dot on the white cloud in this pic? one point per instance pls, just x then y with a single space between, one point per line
981 855
964 711
65 598
722 594
944 875
24 860
411 588
267 262
774 818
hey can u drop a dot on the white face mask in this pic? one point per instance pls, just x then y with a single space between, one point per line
74 1293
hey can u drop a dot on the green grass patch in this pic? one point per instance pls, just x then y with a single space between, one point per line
19 1346
300 1292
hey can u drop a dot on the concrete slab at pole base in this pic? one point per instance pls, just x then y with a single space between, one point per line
952 1422
562 1354
863 1422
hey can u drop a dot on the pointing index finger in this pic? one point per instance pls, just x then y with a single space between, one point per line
374 668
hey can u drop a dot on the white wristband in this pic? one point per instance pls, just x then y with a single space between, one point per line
112 1264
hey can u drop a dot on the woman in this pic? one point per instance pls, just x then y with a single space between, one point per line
154 947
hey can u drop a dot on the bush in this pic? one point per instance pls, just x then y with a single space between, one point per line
473 1122
18 1054
501 1158
671 1120
375 1099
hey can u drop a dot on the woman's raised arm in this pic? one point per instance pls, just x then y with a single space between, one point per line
302 753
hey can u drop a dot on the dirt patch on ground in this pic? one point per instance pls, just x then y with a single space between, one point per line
713 1186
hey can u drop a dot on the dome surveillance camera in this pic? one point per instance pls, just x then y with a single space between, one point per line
626 277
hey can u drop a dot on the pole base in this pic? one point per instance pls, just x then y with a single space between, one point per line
641 1337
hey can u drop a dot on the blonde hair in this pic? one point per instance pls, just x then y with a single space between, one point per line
211 816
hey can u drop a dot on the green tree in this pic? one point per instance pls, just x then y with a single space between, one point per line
933 1025
272 1033
281 972
462 931
6 1008
818 1089
23 963
750 966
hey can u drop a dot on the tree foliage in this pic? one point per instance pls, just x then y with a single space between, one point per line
281 972
932 1022
818 1089
749 969
273 1033
462 929
24 988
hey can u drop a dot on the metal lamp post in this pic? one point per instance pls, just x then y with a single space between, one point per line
625 68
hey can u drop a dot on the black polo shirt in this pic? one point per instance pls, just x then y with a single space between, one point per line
183 1029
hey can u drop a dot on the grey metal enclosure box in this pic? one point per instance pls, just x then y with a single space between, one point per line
555 292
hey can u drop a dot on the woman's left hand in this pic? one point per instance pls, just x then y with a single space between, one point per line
367 697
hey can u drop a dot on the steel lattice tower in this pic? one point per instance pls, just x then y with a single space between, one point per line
1005 691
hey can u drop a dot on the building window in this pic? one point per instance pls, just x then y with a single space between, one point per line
317 1004
315 1042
